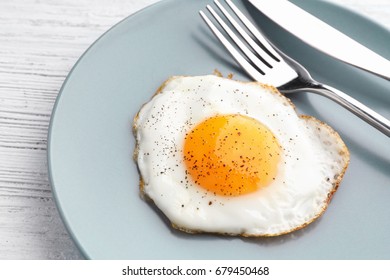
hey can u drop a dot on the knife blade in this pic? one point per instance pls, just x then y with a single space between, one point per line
322 36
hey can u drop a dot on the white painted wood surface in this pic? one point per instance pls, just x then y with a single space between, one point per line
40 40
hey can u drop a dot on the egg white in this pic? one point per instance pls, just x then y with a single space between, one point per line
313 159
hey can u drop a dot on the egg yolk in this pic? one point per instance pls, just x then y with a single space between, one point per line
231 155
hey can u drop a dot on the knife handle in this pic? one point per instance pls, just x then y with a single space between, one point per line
359 109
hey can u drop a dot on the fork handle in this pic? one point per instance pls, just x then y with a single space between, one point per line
354 106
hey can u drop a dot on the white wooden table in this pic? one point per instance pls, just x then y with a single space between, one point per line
40 40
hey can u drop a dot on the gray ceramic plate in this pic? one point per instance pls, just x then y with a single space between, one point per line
95 180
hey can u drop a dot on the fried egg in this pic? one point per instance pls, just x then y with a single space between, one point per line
222 156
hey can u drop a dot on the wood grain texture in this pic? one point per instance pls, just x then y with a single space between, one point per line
40 40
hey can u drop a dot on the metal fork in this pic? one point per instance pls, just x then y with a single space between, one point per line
267 64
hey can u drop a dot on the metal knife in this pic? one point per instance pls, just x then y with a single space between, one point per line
322 36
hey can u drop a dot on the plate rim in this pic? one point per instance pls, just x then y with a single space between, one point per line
53 116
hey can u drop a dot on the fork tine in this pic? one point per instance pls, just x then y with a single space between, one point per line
252 71
262 67
264 43
263 56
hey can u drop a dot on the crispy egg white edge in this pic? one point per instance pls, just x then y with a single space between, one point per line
316 129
